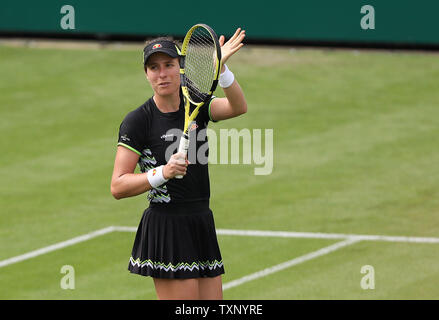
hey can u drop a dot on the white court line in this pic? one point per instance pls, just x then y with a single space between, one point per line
56 246
312 235
289 263
125 229
349 239
257 233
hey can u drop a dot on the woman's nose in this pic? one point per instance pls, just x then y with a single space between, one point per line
162 73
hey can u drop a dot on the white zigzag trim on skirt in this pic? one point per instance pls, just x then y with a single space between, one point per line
179 266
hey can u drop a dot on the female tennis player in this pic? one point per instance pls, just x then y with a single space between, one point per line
176 241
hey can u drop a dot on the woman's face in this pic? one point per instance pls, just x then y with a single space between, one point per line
163 73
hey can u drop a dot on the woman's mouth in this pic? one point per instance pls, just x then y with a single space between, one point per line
164 84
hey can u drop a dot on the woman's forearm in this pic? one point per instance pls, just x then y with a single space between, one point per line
236 98
129 185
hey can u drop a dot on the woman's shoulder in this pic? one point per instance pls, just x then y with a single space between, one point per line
141 113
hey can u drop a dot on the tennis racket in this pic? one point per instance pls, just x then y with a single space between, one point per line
200 66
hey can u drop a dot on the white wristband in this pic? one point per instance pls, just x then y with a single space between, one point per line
226 78
155 177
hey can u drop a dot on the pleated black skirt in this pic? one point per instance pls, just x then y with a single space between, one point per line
176 241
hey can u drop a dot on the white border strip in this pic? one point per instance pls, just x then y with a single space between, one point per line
255 233
56 246
284 234
290 263
310 235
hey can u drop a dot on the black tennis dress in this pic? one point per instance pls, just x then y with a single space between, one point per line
176 237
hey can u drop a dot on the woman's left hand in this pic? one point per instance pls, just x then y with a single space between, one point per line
231 46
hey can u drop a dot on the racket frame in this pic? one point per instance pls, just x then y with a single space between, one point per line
184 140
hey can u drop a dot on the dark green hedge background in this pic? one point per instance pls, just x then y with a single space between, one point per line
396 21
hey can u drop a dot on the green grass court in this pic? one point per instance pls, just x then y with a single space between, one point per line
355 152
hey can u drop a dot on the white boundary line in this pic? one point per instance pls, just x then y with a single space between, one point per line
312 235
289 263
256 233
56 246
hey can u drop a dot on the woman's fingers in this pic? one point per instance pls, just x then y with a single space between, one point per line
235 35
237 48
238 39
177 165
235 40
233 45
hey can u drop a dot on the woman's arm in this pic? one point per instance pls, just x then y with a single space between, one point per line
125 183
234 104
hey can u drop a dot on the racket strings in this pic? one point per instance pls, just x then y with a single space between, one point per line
200 64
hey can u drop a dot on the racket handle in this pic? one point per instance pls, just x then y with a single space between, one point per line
182 148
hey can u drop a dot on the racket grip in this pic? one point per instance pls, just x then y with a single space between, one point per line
182 148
